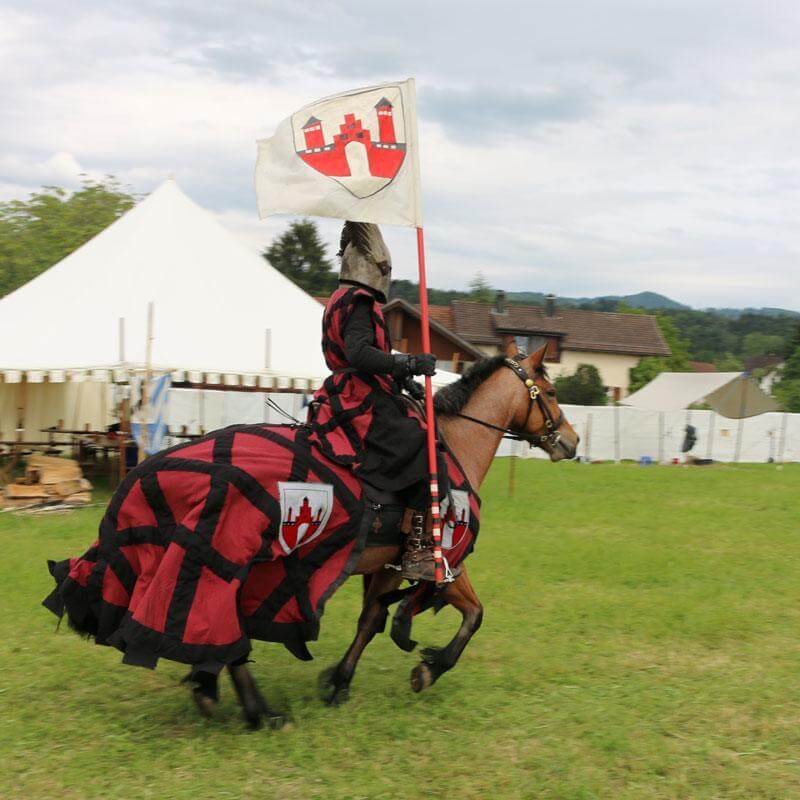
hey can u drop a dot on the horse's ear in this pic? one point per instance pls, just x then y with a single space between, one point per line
511 349
537 359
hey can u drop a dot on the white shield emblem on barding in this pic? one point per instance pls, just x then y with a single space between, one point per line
357 139
305 511
455 518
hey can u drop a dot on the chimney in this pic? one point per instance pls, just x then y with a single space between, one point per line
500 302
550 305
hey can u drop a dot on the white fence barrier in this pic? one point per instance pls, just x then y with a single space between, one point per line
200 410
613 433
608 433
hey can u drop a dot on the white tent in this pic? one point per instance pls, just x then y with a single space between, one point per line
219 308
731 394
222 317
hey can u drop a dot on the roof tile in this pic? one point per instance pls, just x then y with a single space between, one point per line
601 331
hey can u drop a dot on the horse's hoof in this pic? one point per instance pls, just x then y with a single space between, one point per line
340 696
421 677
332 692
252 721
276 721
205 705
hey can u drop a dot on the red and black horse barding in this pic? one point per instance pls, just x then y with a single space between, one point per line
243 534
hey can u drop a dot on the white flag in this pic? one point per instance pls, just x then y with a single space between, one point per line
351 156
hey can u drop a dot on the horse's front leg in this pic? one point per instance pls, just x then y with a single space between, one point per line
436 660
334 682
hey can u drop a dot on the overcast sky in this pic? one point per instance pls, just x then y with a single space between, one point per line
582 147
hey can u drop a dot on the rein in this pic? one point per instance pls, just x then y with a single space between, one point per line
552 437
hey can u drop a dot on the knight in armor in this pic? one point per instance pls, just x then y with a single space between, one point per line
359 417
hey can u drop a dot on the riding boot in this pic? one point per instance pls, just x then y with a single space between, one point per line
418 561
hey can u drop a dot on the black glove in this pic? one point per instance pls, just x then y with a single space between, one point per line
423 364
416 390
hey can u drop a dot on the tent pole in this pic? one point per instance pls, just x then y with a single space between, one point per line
124 428
660 437
144 418
782 446
121 335
587 450
123 402
617 447
22 409
738 453
512 468
103 403
742 409
710 447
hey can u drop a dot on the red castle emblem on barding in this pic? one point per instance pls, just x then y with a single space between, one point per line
455 519
384 157
302 527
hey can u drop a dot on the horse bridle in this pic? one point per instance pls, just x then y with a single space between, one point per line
552 437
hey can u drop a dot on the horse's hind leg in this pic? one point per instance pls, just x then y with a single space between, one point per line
254 707
334 682
205 691
436 661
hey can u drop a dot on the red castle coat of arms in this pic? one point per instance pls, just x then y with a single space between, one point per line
305 511
455 518
357 139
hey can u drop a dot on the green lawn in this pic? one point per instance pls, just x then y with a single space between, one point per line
640 641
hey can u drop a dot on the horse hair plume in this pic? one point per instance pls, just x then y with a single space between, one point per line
358 235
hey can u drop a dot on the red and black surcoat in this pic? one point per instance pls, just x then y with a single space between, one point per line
361 420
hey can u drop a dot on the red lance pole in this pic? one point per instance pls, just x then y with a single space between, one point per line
431 424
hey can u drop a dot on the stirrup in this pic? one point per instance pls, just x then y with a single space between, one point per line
418 563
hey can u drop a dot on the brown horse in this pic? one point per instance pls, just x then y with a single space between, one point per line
473 414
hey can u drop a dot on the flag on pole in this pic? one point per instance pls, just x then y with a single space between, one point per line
351 156
154 413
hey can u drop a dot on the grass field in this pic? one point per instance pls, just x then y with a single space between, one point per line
640 641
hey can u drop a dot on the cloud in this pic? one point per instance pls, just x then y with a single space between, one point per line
479 112
581 148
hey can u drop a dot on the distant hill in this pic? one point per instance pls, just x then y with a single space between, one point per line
647 300
735 313
650 301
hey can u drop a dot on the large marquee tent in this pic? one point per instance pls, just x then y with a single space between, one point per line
222 317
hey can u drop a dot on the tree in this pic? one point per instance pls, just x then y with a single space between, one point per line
300 255
584 388
729 363
39 232
650 366
787 388
793 343
760 344
480 290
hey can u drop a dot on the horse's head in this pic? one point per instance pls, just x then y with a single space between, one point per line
537 416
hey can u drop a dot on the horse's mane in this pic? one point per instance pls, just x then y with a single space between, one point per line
452 398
